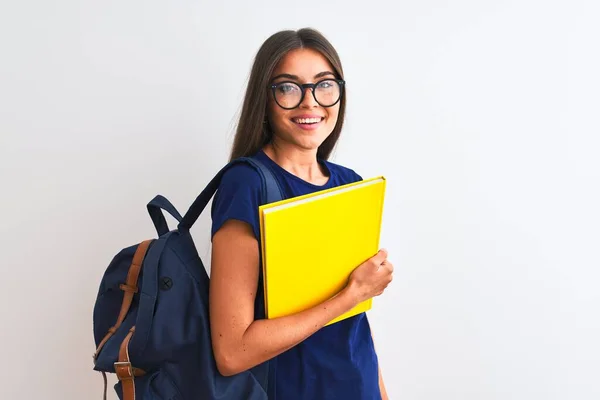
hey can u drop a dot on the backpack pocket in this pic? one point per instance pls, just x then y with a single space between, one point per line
155 385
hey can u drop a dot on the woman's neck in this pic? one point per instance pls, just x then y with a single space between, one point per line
302 163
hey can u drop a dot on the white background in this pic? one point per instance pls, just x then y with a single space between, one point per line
483 115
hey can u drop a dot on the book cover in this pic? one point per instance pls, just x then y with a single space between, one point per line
312 243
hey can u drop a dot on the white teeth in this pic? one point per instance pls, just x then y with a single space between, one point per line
307 120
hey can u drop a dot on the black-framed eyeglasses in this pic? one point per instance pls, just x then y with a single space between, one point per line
326 92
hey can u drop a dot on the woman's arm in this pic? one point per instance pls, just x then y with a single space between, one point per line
384 395
240 342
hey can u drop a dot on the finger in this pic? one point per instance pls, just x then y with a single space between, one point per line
380 257
388 265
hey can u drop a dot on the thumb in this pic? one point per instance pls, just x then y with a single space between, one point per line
381 256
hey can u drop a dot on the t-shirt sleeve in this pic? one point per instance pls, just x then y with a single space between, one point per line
351 176
237 197
345 174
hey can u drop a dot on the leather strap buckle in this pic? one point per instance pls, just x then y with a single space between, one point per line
128 288
124 370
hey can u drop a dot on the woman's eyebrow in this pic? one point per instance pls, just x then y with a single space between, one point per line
288 76
324 73
295 77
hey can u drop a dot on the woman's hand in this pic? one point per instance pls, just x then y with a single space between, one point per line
371 278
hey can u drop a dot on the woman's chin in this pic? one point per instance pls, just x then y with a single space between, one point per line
305 139
312 144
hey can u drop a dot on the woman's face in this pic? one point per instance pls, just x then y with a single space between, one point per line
309 124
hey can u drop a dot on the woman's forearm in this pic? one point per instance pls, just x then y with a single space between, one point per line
384 395
267 338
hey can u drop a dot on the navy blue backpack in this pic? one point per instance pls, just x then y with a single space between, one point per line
151 321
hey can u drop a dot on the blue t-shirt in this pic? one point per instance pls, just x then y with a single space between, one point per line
336 362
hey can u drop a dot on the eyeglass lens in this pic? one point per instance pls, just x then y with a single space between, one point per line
289 94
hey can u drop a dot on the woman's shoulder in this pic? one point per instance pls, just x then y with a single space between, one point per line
237 197
240 185
344 173
240 174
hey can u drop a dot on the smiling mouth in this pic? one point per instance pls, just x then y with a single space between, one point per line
308 121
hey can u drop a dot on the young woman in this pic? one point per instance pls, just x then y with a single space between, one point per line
292 117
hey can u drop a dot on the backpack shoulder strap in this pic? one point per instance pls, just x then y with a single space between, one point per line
271 191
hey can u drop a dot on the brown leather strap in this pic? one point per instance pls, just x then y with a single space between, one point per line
105 384
125 372
130 288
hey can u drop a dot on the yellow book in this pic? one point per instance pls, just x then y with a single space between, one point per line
312 243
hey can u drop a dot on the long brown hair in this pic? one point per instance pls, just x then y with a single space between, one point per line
252 133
